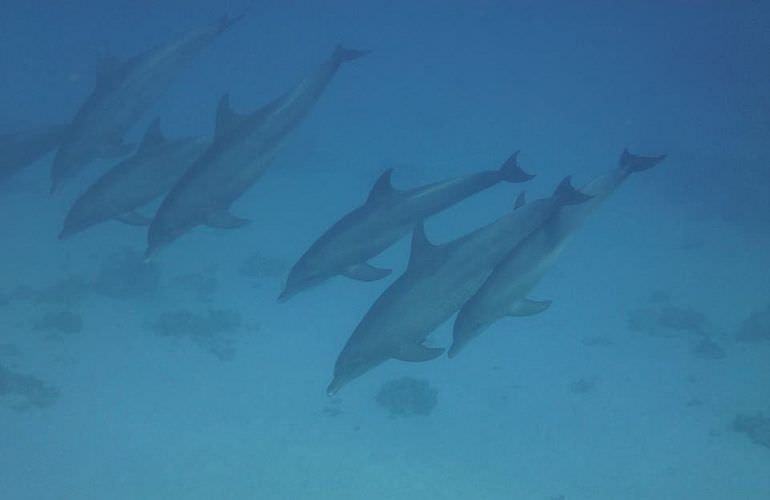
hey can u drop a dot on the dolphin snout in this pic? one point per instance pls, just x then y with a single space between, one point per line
285 295
334 387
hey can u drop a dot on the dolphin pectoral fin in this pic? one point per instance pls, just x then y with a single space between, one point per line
527 307
225 220
417 352
366 272
521 200
134 219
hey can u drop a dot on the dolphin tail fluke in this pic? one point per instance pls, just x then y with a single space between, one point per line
566 194
635 163
512 172
343 54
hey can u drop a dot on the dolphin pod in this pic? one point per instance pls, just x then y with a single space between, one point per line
386 217
244 145
480 277
438 280
505 291
134 182
124 91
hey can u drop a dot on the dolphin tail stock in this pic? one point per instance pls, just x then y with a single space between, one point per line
635 163
226 22
510 171
566 194
116 149
343 54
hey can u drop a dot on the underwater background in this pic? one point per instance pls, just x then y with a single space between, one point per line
648 377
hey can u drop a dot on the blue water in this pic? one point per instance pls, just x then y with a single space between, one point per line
449 88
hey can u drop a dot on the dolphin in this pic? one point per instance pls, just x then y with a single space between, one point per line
387 215
437 282
505 292
244 145
124 91
148 174
19 149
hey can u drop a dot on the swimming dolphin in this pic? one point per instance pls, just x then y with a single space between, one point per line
386 216
437 282
19 149
505 292
243 147
148 174
124 91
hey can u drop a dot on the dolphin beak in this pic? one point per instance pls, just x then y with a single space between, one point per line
148 255
285 295
334 387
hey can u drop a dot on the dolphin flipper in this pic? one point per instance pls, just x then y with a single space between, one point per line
417 353
527 307
366 272
521 200
225 220
134 219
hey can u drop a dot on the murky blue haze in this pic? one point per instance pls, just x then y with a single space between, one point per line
647 378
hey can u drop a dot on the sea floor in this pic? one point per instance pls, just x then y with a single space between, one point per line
571 404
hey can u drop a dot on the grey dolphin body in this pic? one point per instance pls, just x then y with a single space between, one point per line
124 92
437 282
19 149
241 152
387 215
148 174
505 291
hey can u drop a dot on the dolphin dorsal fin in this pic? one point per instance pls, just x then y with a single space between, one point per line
422 249
153 137
382 188
227 119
